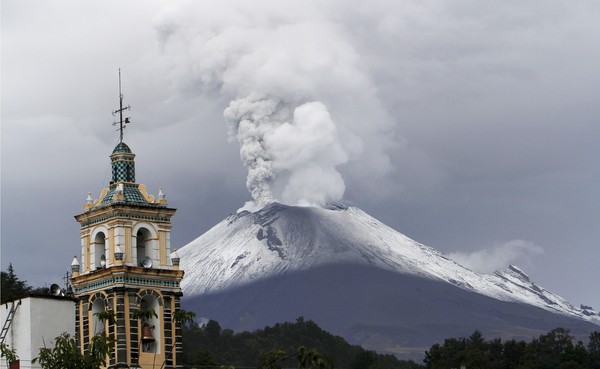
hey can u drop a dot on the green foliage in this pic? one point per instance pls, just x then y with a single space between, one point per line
7 353
106 316
143 315
310 358
66 355
306 358
593 349
302 344
39 291
365 359
554 350
272 359
11 286
213 330
183 317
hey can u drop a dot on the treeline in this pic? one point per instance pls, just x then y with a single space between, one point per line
210 346
555 350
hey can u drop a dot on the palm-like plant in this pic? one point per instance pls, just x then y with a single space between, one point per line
143 315
182 316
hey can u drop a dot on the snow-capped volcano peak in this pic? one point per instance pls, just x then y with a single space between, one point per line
248 246
278 239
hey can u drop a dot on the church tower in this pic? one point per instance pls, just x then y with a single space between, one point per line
127 284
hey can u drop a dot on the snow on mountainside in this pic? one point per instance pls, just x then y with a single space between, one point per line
279 239
517 283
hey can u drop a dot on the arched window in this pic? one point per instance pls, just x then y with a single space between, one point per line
99 251
150 325
143 245
98 326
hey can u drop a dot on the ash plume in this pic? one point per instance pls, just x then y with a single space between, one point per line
302 104
297 159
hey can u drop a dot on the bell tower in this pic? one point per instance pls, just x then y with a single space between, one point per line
127 285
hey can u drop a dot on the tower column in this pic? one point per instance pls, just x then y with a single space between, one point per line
168 319
178 335
121 333
134 337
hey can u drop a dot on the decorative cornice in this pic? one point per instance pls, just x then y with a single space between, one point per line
122 216
127 277
125 211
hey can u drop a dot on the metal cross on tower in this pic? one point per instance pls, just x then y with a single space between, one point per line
121 109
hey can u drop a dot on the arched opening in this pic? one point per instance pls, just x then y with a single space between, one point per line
143 245
99 251
150 324
98 325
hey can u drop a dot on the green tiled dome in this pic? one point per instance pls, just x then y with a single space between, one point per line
121 148
131 191
123 165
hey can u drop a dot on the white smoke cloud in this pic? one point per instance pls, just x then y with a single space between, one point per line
302 103
300 156
310 150
499 256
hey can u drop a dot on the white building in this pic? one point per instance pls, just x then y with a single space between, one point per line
35 324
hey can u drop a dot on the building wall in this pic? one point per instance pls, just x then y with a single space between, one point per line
37 321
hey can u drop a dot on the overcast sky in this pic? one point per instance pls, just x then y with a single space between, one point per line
469 126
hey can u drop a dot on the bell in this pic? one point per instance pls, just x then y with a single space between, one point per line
147 333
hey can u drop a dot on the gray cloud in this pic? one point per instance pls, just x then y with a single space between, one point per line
499 256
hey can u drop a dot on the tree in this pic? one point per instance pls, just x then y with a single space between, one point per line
203 359
593 349
451 355
551 348
66 355
514 353
213 329
183 316
495 354
364 360
476 351
575 357
12 287
307 359
311 358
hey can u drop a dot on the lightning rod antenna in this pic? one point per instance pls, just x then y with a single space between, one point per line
121 109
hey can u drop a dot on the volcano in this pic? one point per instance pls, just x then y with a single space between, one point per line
358 278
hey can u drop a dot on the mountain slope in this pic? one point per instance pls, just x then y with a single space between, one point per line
363 278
